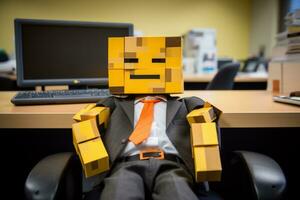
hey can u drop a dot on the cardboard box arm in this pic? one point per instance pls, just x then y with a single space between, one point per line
87 141
204 144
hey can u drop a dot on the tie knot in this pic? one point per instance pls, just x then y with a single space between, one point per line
150 100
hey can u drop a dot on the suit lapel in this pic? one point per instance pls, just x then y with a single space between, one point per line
172 107
128 108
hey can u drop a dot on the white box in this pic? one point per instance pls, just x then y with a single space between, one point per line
290 77
284 77
275 77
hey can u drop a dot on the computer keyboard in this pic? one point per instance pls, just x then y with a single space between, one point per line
60 96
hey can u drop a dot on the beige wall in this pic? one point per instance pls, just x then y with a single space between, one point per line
231 18
264 25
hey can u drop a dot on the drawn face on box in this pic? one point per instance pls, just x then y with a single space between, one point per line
145 65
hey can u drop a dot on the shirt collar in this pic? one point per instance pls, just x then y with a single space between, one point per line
160 97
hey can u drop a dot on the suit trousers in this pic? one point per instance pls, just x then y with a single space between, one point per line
149 179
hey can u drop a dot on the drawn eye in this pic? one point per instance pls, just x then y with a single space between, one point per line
158 60
131 60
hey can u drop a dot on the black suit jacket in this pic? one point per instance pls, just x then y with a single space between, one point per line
121 125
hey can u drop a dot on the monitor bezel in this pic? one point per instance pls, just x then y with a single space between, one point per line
22 82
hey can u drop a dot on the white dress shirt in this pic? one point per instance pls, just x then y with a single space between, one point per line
158 138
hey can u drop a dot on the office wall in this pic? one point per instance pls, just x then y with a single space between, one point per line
231 18
264 25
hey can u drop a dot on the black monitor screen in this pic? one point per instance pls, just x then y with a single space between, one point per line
56 51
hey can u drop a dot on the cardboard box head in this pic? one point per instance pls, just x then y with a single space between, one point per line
145 65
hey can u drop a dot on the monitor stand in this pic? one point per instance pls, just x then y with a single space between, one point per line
51 87
78 87
66 87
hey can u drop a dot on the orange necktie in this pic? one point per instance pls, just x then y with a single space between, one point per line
143 127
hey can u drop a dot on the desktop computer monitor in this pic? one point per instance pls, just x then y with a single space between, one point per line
50 52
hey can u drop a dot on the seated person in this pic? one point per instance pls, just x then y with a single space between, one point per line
147 142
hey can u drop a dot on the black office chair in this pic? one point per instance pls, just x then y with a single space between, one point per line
224 79
253 63
59 176
7 84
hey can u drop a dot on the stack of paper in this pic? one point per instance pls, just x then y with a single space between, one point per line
284 68
288 42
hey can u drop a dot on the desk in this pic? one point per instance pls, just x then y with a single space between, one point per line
12 77
240 109
250 121
243 81
241 77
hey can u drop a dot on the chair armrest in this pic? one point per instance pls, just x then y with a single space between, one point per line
57 176
266 178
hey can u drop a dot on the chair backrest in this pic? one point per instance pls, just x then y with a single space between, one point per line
7 84
252 64
224 79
